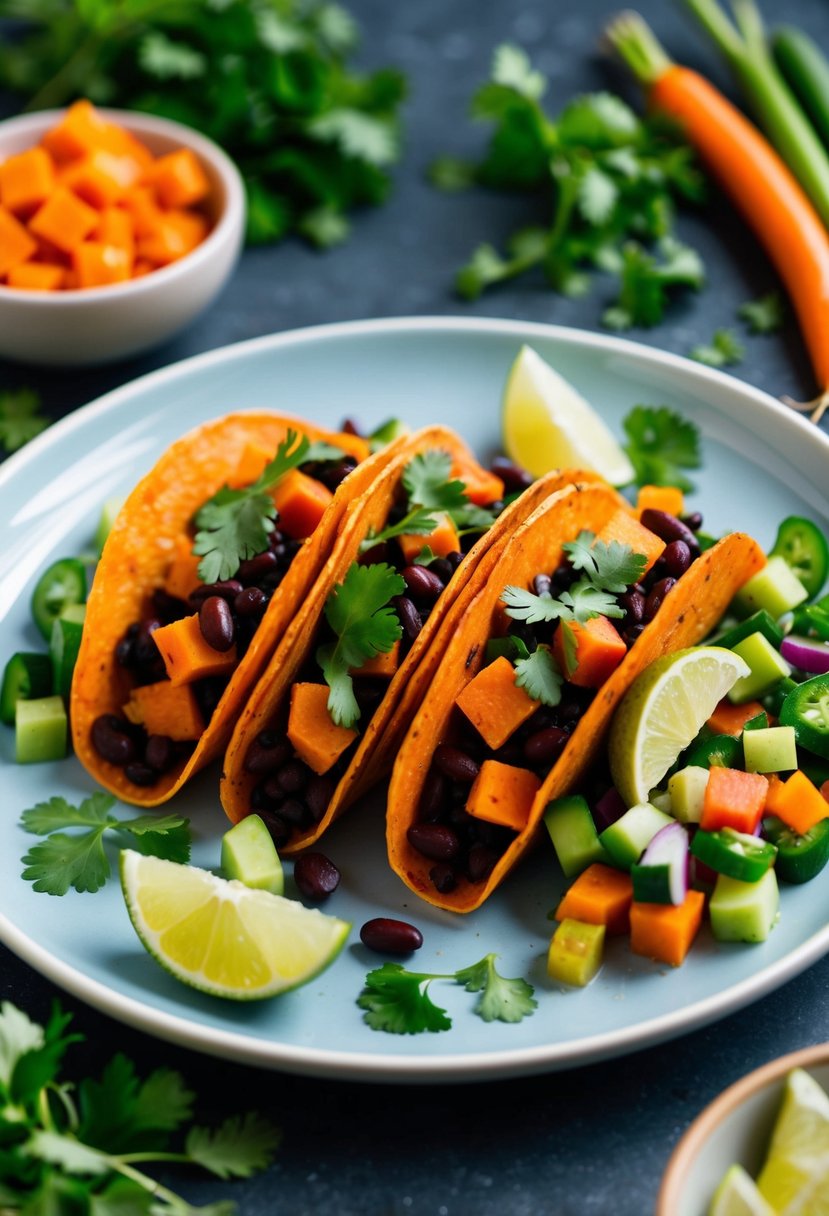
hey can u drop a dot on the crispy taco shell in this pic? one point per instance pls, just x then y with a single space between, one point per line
686 616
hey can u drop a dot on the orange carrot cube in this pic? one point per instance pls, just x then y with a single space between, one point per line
733 799
64 219
775 787
600 895
665 932
115 228
147 216
669 499
166 709
494 703
182 575
36 276
383 664
799 803
443 540
83 129
179 179
187 656
503 794
598 651
315 738
625 528
26 180
179 233
728 719
100 178
97 265
16 244
300 501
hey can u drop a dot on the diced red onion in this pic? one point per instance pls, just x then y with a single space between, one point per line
669 847
608 808
809 654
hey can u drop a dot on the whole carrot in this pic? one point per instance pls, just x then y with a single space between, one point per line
753 175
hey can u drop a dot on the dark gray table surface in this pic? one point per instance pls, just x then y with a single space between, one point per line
590 1140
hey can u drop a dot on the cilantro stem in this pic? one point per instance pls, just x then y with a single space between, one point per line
151 1185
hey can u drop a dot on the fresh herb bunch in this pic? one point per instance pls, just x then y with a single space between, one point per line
661 443
20 420
609 180
82 1149
268 80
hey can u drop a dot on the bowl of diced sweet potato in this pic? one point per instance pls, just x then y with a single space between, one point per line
117 228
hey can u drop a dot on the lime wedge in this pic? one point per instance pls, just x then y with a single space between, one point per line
662 711
546 424
222 937
795 1177
737 1195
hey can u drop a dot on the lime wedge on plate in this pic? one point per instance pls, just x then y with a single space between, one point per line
737 1195
663 711
546 424
795 1177
222 937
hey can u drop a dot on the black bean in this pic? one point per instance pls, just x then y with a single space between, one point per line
267 752
632 632
251 602
140 774
455 764
112 740
318 794
510 753
444 878
294 812
368 693
280 832
676 558
331 475
227 589
433 795
252 569
316 876
160 753
513 476
542 584
168 607
545 745
388 936
124 655
434 840
454 559
216 623
668 527
408 615
563 576
350 427
693 521
633 602
376 554
656 595
422 583
441 567
292 778
480 862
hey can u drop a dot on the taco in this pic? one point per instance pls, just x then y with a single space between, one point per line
532 667
325 719
152 699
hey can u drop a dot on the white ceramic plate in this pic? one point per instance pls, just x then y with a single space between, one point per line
760 464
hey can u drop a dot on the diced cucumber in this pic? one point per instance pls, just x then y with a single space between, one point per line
26 676
772 750
758 622
575 953
661 799
744 911
249 855
767 668
775 588
687 788
109 512
64 645
573 833
40 730
627 838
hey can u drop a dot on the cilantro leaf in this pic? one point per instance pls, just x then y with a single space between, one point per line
586 600
426 479
360 613
723 350
524 605
539 676
661 443
764 315
19 419
241 1146
501 999
614 566
647 282
235 524
398 1001
570 648
62 861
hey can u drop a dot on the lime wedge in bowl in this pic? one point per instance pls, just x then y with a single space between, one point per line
663 711
546 424
795 1176
737 1195
222 937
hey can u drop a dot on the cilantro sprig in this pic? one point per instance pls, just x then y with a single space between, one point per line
661 444
724 350
608 182
19 418
83 1148
431 490
360 613
765 315
79 860
397 1001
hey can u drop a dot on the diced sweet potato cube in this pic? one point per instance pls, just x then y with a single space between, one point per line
383 664
665 932
64 219
97 265
598 651
26 181
16 245
179 179
182 576
494 704
443 540
482 487
83 129
772 794
503 794
147 216
799 803
36 276
315 738
300 501
166 709
179 233
660 498
251 465
733 799
115 228
625 528
100 178
600 895
187 656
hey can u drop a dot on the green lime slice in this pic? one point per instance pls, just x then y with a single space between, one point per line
795 1177
737 1195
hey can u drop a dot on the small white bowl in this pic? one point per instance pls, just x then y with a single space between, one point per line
735 1128
100 324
